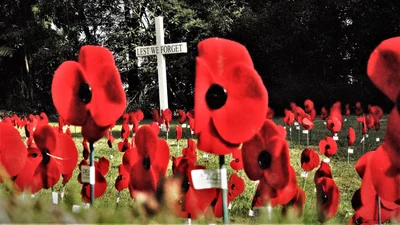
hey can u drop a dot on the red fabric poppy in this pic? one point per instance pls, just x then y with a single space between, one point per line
125 131
258 201
309 159
327 199
66 154
139 115
266 155
178 130
351 136
308 105
167 116
289 118
333 124
151 162
362 162
89 92
284 195
180 165
324 113
358 109
190 151
155 127
347 111
237 161
231 100
135 125
124 145
328 146
43 119
100 186
181 116
13 155
270 113
324 170
307 123
293 107
235 186
122 180
190 113
155 115
23 181
299 114
296 204
363 122
383 67
216 205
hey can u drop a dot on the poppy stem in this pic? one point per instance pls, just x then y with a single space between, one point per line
379 210
224 188
117 203
92 173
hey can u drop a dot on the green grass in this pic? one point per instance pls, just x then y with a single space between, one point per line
41 210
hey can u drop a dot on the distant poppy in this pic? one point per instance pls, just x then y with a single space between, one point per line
333 124
151 162
308 105
139 115
293 107
358 109
155 115
237 161
270 113
347 111
110 138
363 121
124 145
299 114
167 116
266 155
89 92
289 118
327 199
122 180
296 204
181 116
328 146
86 150
309 159
13 154
134 124
190 151
324 170
307 123
284 195
23 181
324 113
351 136
101 169
231 100
178 130
155 127
125 131
235 186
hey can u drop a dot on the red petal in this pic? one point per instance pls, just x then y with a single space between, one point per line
91 131
327 208
146 142
67 152
277 175
103 166
250 151
12 150
323 171
45 138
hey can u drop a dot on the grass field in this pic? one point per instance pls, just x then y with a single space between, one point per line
39 209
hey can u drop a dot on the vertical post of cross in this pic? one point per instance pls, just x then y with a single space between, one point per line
162 74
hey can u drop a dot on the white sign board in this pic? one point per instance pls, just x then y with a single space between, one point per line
206 179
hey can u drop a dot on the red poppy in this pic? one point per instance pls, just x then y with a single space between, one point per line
333 124
167 117
327 199
190 151
23 181
155 127
124 145
101 169
155 115
178 132
323 171
151 162
328 146
363 122
237 161
230 98
362 162
270 113
135 125
216 205
308 105
351 136
181 116
13 155
284 195
358 109
299 114
309 159
306 122
122 180
266 155
293 107
89 92
125 131
44 120
139 115
324 113
296 204
347 111
235 186
289 118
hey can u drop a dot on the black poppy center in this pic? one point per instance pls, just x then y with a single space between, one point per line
233 187
305 158
119 177
320 174
324 198
146 163
264 160
237 160
216 97
45 156
185 185
214 202
359 221
34 155
85 93
327 147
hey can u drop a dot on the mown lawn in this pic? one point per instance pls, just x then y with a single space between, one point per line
39 209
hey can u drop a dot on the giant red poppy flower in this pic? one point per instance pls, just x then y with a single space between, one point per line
89 92
351 136
289 118
100 186
151 162
328 146
266 155
13 155
230 98
181 116
190 151
122 180
296 204
309 159
237 161
327 199
323 171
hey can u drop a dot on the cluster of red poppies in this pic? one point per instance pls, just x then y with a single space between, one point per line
48 155
379 169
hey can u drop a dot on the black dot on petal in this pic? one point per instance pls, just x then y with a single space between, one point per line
85 93
264 160
216 97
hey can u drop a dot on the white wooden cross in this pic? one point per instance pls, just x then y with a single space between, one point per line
161 49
